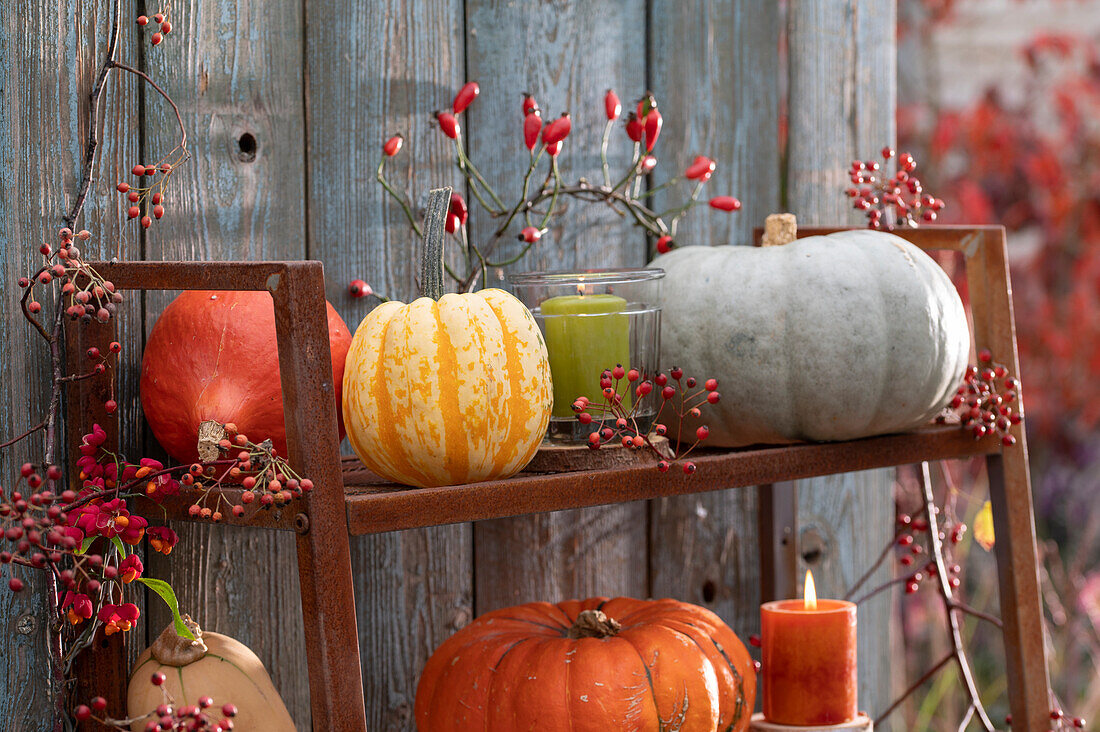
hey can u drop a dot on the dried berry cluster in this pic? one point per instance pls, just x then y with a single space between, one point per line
985 400
899 199
618 423
265 477
167 717
528 219
162 24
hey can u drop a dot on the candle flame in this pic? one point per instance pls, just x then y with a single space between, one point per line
810 592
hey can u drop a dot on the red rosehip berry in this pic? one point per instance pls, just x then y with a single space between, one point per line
115 347
557 130
555 149
985 355
638 441
648 164
725 203
465 96
458 209
142 20
887 152
711 384
668 392
359 288
702 433
713 397
15 584
612 105
701 169
133 212
166 27
99 704
676 373
146 222
530 234
664 244
530 106
393 145
618 372
110 406
663 466
133 196
229 710
532 125
448 124
83 712
123 187
34 307
159 17
689 468
156 39
158 679
634 127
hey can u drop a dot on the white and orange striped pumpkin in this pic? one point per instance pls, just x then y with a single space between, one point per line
447 392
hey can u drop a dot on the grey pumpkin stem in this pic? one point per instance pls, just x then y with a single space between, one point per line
431 247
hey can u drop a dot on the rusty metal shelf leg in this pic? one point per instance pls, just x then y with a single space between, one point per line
1021 602
324 548
777 518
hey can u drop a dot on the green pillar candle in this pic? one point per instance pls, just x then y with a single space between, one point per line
585 334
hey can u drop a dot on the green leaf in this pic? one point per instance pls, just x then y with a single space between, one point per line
85 544
167 594
119 545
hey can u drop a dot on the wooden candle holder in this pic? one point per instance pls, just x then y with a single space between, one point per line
862 723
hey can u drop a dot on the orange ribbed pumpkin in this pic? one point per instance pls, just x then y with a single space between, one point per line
590 666
213 356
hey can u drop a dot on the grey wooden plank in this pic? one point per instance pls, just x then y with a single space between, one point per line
714 68
403 60
842 82
567 55
235 69
47 56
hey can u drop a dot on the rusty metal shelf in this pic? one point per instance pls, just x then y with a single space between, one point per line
375 506
349 500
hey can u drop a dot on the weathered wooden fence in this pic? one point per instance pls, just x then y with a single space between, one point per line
287 104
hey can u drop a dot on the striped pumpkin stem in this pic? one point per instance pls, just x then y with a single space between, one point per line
431 249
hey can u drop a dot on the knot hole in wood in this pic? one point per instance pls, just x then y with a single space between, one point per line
246 148
814 546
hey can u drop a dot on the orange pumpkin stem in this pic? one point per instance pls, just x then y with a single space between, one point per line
594 624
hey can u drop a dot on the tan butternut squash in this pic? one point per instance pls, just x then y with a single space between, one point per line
212 665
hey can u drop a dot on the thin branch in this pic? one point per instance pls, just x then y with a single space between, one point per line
948 600
916 685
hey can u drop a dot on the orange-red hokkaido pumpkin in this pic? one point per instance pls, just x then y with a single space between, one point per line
590 666
213 356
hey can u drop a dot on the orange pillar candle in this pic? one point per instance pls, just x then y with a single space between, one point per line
808 662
